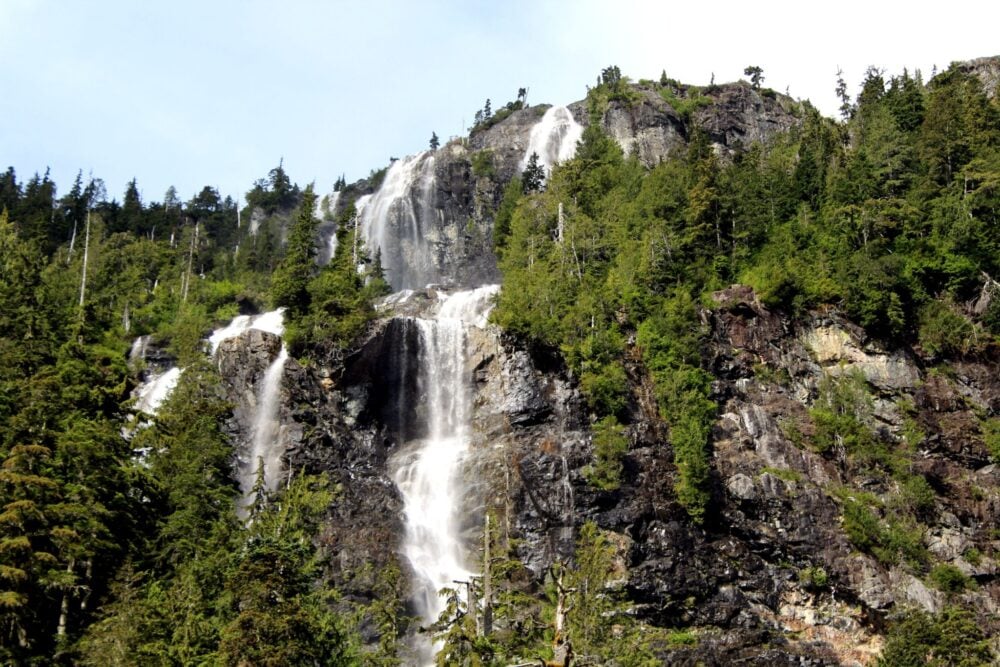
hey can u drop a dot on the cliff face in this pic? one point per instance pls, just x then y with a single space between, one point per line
457 188
776 574
751 571
749 576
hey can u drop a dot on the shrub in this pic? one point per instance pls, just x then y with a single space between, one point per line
610 446
942 331
948 578
951 637
482 164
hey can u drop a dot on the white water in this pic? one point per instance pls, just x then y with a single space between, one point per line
554 138
360 204
394 221
428 472
154 391
326 213
272 322
267 446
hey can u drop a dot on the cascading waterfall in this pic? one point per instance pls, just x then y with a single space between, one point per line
153 392
393 222
554 138
271 322
267 446
428 471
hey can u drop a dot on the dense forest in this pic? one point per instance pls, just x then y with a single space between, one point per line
120 544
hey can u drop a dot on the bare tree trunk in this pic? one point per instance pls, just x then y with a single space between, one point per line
72 242
86 255
560 224
64 605
187 281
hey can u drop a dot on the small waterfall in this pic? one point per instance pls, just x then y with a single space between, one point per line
395 218
326 213
271 322
554 138
267 446
428 471
265 439
137 352
153 392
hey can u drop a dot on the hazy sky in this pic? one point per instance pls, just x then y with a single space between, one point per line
213 92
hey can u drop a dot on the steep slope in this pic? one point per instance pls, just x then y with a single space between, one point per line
850 480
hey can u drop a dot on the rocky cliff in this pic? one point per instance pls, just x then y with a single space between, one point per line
773 576
467 177
809 547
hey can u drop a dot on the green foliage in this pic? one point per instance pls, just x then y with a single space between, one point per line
501 221
948 578
486 118
611 86
990 429
685 100
891 539
943 331
951 637
610 447
483 165
533 178
814 578
290 286
840 413
594 603
756 75
279 618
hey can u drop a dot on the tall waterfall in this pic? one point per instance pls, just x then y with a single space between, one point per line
554 138
266 447
428 471
394 221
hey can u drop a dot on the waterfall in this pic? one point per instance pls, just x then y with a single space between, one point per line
554 138
326 214
271 322
267 446
151 393
395 218
428 470
266 442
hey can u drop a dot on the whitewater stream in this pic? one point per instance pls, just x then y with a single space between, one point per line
429 471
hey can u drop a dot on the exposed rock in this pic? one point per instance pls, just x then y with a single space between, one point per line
740 116
839 352
650 129
987 70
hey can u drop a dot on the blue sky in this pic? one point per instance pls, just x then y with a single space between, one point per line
214 93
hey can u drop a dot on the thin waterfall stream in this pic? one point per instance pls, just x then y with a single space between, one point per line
267 447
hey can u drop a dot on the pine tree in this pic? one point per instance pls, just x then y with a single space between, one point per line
533 178
756 75
290 286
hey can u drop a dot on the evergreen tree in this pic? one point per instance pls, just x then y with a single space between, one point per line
290 286
756 75
533 178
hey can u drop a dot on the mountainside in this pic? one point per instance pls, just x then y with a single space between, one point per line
669 375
